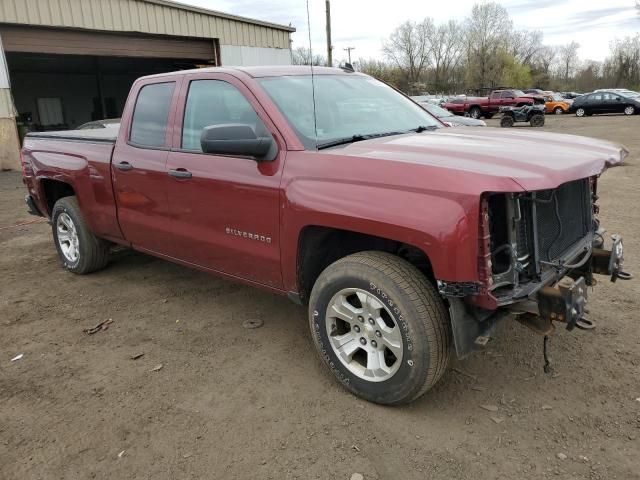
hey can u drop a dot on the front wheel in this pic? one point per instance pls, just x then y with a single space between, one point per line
581 112
537 120
629 110
380 327
558 111
78 248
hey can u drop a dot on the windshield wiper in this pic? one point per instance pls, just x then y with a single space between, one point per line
422 128
355 138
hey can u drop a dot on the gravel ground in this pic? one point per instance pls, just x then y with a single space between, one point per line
235 403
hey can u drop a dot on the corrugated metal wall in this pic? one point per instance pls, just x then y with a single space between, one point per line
147 16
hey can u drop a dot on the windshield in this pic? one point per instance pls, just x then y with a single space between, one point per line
436 110
346 106
557 97
520 93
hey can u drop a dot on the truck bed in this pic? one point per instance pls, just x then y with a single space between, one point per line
102 135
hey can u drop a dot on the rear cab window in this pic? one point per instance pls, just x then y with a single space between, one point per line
150 115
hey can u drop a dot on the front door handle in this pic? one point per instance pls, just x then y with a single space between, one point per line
123 166
180 173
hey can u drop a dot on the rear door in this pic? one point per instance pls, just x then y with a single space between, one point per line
225 210
139 164
596 103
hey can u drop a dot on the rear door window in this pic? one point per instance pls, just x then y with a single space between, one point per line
150 115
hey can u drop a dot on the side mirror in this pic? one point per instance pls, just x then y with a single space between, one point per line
237 139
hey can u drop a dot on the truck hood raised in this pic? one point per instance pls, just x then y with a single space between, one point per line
534 160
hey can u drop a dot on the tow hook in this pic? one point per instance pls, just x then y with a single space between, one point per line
609 262
566 302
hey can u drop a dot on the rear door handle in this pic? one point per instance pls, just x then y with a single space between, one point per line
180 173
123 166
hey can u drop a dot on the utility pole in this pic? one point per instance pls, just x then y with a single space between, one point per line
329 46
348 50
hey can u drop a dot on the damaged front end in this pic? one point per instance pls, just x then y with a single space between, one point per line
538 253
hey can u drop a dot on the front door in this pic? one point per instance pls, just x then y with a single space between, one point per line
139 165
225 210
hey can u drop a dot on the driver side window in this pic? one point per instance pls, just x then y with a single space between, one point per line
214 102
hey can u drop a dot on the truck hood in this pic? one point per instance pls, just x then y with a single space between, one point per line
534 160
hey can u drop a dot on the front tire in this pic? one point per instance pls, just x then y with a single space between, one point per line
79 249
629 110
581 112
558 111
380 327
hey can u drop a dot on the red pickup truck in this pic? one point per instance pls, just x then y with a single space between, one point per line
478 107
405 238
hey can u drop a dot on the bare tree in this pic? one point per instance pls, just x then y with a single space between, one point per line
303 56
524 45
408 48
568 56
488 31
447 46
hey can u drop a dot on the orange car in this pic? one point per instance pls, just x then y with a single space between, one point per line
554 103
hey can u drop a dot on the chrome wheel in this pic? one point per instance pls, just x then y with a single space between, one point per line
68 237
558 111
580 112
629 110
364 335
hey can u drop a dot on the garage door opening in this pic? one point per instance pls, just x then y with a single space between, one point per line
57 92
63 78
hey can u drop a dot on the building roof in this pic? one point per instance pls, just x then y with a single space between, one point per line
163 17
216 13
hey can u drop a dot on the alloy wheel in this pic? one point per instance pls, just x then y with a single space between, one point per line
68 237
364 335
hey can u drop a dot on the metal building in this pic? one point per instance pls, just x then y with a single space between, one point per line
67 62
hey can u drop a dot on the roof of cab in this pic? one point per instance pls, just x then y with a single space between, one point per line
264 71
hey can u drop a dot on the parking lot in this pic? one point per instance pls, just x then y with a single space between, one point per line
211 399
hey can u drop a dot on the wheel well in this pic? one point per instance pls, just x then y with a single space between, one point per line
54 190
319 247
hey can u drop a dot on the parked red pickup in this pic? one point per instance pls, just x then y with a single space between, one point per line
478 107
404 237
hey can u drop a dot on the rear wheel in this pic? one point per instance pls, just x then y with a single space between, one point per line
380 327
629 110
475 112
78 248
507 121
558 111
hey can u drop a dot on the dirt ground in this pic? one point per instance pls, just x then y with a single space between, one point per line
230 402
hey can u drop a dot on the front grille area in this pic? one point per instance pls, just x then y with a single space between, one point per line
563 216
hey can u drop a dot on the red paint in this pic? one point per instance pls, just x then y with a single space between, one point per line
422 189
492 103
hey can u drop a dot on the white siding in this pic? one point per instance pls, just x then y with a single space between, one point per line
233 55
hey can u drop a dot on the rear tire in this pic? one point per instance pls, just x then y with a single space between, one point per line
506 121
475 112
558 111
380 327
629 110
79 249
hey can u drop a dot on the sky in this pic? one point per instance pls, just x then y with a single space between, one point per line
366 24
